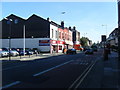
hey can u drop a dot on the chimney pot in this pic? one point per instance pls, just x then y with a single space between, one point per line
48 19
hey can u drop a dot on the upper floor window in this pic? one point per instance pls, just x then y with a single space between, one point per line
56 34
59 34
52 33
62 35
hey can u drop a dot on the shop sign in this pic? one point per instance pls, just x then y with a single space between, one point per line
54 42
44 42
57 42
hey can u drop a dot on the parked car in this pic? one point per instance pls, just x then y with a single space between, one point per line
89 51
21 52
35 50
29 52
5 49
71 51
3 54
94 48
81 48
14 53
85 48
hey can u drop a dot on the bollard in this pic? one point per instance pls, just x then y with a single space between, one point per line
36 53
109 51
20 56
29 55
105 54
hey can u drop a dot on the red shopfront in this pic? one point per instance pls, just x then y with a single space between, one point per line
57 46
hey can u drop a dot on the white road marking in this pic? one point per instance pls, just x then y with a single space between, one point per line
12 67
11 84
52 68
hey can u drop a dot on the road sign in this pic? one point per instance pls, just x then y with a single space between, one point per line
103 38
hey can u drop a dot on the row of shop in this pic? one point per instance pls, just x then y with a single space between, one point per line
42 44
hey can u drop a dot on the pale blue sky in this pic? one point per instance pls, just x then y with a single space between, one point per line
88 17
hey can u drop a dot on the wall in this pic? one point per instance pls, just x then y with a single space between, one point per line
54 32
30 43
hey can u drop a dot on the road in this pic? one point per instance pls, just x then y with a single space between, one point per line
64 71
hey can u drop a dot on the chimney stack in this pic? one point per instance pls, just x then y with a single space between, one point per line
69 27
62 24
74 28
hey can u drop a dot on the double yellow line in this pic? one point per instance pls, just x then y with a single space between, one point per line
79 80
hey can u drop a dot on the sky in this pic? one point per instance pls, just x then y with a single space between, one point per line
87 17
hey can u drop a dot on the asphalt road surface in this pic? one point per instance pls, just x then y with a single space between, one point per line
64 71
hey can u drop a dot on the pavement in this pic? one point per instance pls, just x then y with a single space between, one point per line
31 57
111 72
105 73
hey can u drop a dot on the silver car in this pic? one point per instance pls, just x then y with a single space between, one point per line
13 53
3 53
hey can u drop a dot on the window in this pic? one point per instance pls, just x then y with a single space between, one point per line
52 33
59 34
56 34
62 35
65 36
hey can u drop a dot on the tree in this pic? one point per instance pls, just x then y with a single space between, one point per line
84 41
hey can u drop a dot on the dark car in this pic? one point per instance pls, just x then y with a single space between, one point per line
71 51
29 52
35 50
94 48
89 51
21 52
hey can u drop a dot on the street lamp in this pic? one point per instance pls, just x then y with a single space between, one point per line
24 39
57 41
9 21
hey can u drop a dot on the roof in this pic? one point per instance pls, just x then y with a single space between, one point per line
14 16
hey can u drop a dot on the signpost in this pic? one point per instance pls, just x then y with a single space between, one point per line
105 49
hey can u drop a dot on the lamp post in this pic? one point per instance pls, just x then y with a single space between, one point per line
9 21
119 30
64 43
105 29
57 41
24 39
105 42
